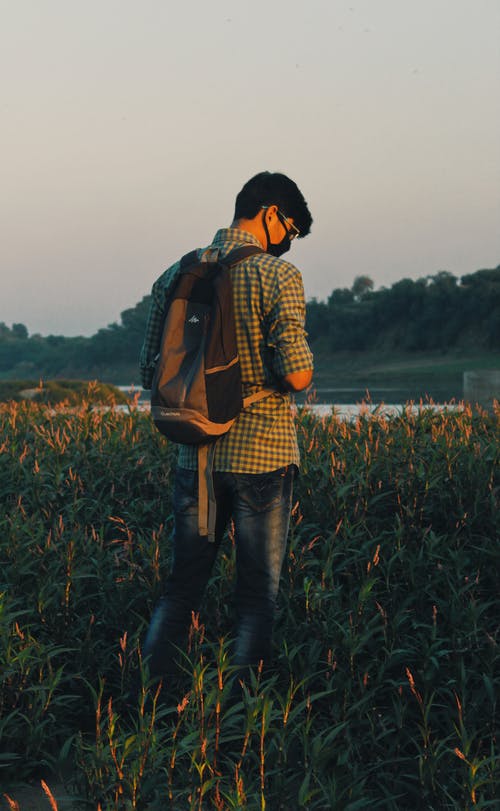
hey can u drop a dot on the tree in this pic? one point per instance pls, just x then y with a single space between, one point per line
361 286
316 319
19 331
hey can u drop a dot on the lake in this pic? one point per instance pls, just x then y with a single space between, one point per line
348 403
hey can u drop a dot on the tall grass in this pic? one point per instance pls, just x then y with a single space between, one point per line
384 691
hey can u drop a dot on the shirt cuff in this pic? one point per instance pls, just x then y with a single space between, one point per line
297 357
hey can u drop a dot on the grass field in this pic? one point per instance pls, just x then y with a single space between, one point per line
385 688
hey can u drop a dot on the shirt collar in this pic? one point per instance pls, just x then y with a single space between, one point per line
234 237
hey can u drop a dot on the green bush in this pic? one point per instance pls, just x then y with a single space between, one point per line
384 691
70 392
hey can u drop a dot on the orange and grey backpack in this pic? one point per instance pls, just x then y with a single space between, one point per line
196 393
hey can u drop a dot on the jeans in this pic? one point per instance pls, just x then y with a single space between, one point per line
260 505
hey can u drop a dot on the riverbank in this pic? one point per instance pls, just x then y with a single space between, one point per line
415 375
433 375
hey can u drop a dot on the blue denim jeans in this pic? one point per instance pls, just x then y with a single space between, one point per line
259 504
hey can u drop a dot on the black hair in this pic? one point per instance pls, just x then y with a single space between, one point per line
273 188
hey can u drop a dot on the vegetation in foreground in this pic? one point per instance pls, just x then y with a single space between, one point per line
67 392
385 692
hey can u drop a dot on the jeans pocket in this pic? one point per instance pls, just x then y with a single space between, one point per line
185 490
262 491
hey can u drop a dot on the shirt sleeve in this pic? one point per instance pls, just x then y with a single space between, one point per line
286 334
154 325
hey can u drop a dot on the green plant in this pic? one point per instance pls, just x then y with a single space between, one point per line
384 691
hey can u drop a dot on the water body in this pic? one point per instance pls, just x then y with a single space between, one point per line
348 403
379 395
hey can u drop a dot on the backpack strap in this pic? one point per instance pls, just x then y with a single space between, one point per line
258 395
238 254
189 258
207 507
232 258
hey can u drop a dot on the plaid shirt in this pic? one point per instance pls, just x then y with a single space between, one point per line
270 316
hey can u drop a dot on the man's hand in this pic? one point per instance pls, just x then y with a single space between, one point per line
298 381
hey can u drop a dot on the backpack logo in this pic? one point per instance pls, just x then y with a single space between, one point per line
194 320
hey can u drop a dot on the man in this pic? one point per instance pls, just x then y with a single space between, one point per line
256 461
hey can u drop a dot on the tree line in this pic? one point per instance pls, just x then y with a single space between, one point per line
435 313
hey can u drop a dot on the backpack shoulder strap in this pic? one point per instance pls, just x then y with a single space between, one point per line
238 254
189 258
232 258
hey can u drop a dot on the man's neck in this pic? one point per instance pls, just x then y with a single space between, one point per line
254 227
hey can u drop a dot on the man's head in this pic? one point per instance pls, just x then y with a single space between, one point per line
272 202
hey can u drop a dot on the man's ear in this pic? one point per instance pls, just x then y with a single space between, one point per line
271 215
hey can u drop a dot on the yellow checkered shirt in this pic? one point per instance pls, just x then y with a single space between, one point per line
270 317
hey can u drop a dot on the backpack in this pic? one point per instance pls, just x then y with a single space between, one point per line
196 394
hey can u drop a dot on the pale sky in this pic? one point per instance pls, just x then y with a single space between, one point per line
128 127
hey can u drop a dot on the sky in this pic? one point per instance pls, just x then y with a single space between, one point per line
127 128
